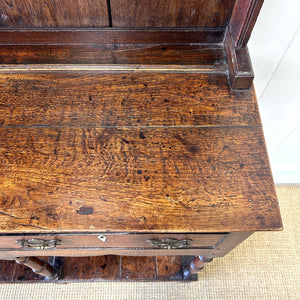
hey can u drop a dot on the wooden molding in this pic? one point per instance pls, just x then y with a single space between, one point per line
239 64
243 18
229 242
158 49
109 36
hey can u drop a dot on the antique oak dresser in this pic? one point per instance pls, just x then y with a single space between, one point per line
131 146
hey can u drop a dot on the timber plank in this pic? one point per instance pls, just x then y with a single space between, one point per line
143 268
175 13
123 99
113 54
53 13
172 179
131 152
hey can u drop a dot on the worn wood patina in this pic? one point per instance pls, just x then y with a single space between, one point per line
131 146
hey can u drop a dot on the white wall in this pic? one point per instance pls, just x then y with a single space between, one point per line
275 52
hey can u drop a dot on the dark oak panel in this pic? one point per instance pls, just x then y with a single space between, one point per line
154 179
239 65
138 269
169 267
53 13
111 36
90 268
113 54
95 99
7 270
174 13
242 21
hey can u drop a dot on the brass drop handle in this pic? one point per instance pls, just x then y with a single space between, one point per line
39 244
170 243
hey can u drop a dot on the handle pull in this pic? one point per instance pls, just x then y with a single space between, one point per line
39 244
169 243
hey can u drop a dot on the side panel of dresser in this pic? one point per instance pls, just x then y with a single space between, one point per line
209 245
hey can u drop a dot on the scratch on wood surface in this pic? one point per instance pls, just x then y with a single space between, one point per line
9 215
18 218
35 226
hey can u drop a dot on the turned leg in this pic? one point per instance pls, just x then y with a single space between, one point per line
196 265
38 266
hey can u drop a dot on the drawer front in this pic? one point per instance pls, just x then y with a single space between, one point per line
110 240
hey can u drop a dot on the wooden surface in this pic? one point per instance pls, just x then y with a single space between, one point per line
8 254
124 13
92 13
243 19
176 13
239 64
146 13
132 152
230 241
53 13
112 240
101 268
89 99
104 36
209 245
131 130
151 54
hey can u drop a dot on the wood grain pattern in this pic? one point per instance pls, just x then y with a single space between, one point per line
113 54
113 68
100 139
90 268
133 269
176 13
168 267
53 13
80 152
95 99
7 270
135 179
114 36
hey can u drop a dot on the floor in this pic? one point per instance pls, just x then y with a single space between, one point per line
274 49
